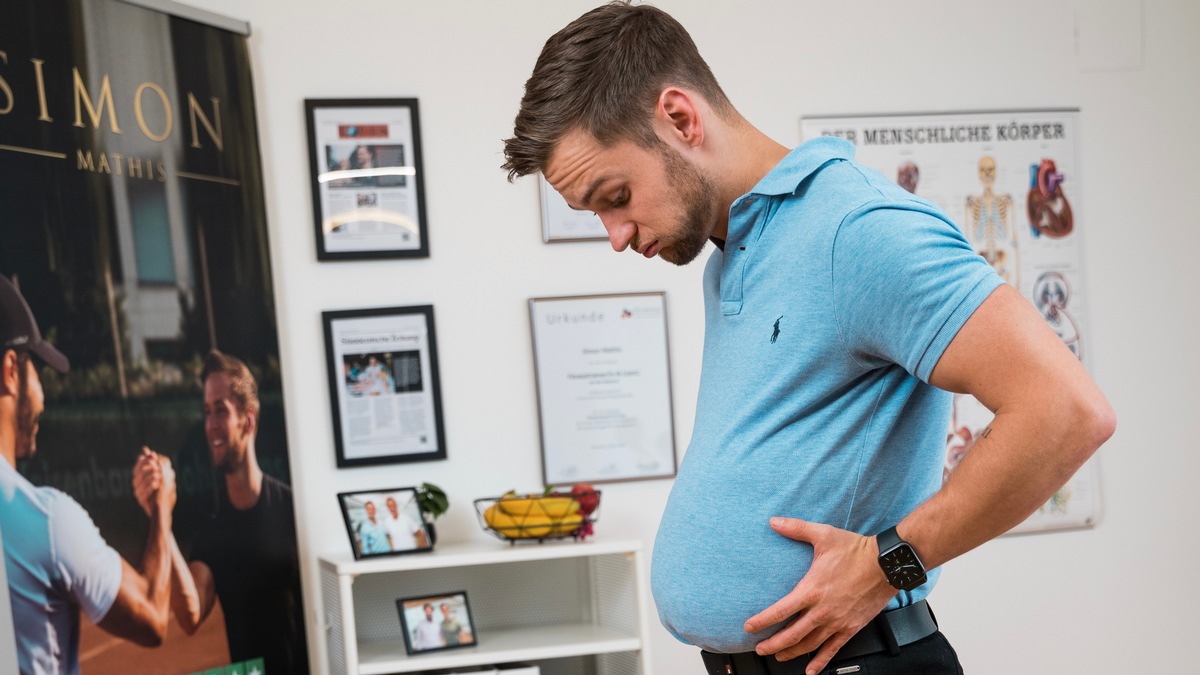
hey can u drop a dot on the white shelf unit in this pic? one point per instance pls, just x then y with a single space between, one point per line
572 606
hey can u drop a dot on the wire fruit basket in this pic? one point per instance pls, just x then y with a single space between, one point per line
514 518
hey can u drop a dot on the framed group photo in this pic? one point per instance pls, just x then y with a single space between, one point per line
436 622
383 385
384 522
368 183
604 387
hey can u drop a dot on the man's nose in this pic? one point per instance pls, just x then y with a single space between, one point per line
620 231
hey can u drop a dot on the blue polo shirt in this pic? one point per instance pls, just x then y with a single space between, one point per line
833 299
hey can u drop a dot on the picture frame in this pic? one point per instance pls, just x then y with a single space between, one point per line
561 223
368 179
603 373
385 522
384 387
429 622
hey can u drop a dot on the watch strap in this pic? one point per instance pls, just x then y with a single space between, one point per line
888 539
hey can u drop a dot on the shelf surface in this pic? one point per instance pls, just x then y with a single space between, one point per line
527 643
450 554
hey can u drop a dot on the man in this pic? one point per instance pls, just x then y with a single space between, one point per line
246 554
451 627
428 633
371 532
403 532
57 562
840 313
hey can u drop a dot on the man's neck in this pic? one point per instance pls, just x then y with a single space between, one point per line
244 484
751 155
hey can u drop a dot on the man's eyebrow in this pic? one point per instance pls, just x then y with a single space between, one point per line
591 191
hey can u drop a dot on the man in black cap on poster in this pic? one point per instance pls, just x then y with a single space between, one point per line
56 560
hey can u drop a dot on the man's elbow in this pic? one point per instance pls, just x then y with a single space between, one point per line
1095 423
152 633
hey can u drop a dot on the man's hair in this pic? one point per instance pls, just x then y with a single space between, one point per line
241 381
603 74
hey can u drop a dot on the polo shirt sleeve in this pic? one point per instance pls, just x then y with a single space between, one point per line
89 569
905 280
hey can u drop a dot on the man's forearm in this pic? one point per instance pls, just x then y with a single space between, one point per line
156 569
1022 458
185 599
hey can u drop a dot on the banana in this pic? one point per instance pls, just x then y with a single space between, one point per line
553 507
530 526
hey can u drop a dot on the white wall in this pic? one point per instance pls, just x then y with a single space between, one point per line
1113 599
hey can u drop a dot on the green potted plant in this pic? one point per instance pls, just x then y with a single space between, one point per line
434 503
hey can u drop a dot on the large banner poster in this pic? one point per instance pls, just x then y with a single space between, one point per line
1009 179
132 222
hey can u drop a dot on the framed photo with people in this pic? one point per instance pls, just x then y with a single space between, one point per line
385 522
368 182
436 622
383 385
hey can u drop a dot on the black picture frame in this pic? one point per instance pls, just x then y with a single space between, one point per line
384 536
370 213
412 613
376 357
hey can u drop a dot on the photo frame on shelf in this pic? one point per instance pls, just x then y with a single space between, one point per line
561 223
385 522
368 180
384 388
433 623
603 377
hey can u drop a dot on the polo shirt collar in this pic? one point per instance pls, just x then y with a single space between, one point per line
801 163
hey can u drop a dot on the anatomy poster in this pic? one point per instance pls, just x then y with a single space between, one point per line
1011 181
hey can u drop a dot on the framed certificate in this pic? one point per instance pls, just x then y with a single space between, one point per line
383 385
604 387
368 184
560 222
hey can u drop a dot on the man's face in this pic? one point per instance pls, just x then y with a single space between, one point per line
31 402
446 611
226 428
392 508
652 201
370 508
429 612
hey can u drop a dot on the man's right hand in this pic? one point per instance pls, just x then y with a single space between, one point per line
154 482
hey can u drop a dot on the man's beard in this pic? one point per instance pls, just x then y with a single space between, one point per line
26 420
694 192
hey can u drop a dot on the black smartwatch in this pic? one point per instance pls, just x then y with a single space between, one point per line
904 570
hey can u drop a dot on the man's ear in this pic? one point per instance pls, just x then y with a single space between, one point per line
678 114
10 374
250 426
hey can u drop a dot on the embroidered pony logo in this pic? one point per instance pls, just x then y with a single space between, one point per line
775 335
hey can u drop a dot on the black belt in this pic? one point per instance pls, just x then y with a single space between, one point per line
887 632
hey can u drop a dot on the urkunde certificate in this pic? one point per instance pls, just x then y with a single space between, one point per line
604 389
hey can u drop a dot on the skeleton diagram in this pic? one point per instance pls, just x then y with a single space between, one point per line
990 224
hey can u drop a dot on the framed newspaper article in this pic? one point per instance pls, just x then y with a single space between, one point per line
368 183
604 387
383 385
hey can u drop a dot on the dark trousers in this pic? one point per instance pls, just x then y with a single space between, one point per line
932 655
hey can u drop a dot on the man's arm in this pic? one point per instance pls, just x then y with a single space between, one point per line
1049 418
193 592
140 611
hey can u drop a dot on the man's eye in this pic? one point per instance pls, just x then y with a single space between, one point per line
619 200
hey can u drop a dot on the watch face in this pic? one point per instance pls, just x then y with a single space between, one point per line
904 570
